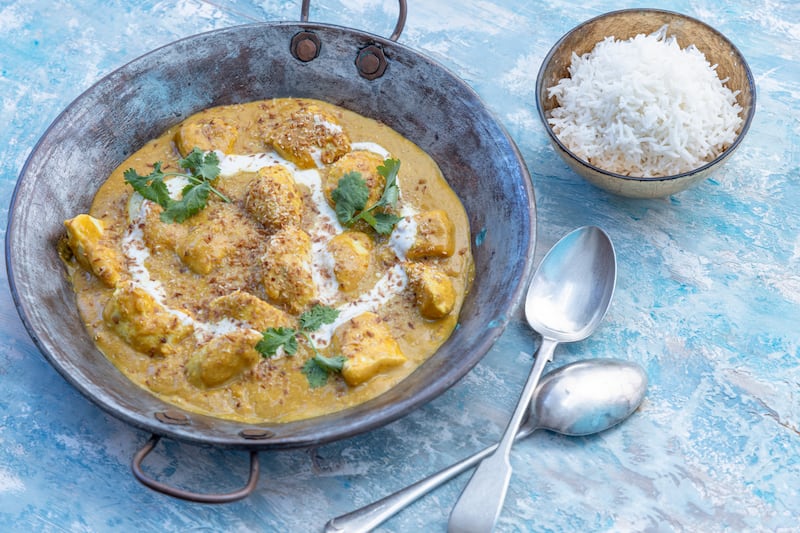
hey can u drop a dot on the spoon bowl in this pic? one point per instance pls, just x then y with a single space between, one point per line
573 286
569 294
580 398
587 397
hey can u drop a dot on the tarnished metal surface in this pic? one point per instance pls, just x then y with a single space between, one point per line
415 96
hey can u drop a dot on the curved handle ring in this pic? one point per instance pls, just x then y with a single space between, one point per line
398 29
138 473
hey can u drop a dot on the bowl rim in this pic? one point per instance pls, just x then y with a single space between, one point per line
748 119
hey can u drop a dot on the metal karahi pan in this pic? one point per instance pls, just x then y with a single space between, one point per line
371 75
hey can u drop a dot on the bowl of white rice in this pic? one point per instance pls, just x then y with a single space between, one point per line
644 102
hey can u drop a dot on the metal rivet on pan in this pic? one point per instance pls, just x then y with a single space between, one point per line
305 46
172 417
256 434
371 62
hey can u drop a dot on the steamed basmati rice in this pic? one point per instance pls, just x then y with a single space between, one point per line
644 107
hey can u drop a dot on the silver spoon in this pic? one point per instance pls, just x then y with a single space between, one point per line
568 296
580 398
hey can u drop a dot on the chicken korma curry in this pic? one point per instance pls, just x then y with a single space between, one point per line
271 261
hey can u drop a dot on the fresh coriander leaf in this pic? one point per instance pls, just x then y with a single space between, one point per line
273 338
319 367
344 213
203 166
315 374
331 364
352 193
151 186
366 216
192 161
381 222
391 191
318 315
194 198
384 222
350 196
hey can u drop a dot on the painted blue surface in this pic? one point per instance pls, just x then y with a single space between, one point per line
708 300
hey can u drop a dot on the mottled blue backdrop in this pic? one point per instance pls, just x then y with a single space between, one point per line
708 300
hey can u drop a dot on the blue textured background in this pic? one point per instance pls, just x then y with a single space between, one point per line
708 300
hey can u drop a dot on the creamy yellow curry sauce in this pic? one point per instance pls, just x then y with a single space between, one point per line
181 307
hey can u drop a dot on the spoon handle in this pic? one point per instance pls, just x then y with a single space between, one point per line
481 501
372 515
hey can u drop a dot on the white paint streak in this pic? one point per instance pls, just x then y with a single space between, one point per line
485 18
11 19
684 266
521 78
9 483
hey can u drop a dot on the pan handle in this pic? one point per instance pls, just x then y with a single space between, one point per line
398 29
138 473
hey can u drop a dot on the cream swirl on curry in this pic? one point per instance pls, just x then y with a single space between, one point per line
308 260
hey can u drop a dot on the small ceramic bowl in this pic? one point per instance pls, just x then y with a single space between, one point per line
623 25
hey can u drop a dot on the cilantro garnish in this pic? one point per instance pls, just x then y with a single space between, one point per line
318 315
203 169
275 338
352 193
318 367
